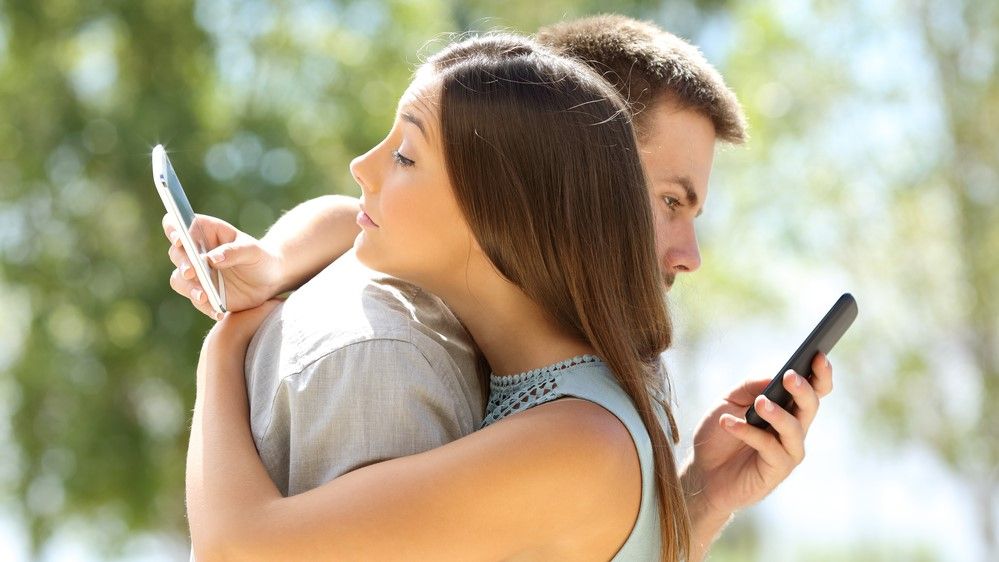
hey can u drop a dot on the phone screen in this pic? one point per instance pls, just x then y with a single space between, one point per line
190 223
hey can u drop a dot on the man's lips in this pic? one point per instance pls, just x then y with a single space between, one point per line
365 221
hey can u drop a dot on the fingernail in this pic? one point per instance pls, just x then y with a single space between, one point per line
798 379
184 268
729 422
828 364
219 315
174 237
217 257
767 404
196 295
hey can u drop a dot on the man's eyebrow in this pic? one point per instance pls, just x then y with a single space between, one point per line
688 189
416 121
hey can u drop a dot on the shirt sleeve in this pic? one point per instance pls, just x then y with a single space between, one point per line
363 403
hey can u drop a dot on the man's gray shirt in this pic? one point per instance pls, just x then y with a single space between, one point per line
354 368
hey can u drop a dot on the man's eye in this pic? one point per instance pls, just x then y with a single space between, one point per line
672 202
401 160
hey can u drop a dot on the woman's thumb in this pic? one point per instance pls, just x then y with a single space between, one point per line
231 254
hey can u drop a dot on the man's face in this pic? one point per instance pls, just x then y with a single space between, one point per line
677 151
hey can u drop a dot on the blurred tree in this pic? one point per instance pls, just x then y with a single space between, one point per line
950 377
873 165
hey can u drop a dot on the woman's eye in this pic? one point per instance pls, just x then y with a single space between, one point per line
401 160
672 202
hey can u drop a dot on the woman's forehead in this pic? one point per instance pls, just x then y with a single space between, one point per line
421 98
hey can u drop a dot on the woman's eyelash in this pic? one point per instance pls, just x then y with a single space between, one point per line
671 202
401 160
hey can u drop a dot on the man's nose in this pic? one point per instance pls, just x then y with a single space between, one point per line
683 255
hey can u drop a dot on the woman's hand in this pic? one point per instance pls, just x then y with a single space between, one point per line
253 270
734 464
236 329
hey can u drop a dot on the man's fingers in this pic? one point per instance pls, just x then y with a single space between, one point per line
771 451
745 393
805 398
822 375
789 430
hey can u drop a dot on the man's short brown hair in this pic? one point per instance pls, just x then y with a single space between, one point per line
647 65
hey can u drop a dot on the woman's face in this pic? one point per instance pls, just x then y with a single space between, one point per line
411 226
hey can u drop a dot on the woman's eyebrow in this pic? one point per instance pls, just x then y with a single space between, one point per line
416 121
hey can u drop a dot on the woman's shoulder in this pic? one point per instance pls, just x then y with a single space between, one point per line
585 457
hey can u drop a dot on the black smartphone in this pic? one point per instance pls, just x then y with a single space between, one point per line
825 335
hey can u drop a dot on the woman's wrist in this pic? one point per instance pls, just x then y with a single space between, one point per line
285 277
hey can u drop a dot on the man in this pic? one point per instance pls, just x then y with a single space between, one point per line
340 377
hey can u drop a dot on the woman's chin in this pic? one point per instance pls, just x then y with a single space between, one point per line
365 253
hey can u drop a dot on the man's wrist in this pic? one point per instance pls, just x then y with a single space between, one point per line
706 525
706 520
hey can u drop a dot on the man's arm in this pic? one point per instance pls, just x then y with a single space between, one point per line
734 464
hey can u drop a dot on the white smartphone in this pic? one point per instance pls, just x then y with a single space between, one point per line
191 235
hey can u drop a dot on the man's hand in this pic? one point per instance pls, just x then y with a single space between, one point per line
252 270
734 464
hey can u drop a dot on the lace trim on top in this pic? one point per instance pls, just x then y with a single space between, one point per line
515 393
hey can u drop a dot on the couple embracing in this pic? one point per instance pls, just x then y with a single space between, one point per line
478 377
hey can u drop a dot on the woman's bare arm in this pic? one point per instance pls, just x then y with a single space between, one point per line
313 234
299 245
563 471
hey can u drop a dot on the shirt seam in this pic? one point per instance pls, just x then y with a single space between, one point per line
452 374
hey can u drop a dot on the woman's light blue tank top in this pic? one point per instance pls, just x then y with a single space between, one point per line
588 378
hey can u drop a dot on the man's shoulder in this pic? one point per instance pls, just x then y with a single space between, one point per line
348 305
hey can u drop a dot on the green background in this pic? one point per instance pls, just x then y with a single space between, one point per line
873 167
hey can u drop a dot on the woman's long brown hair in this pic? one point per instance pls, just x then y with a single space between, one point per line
543 159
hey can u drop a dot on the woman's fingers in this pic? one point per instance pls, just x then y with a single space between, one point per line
192 290
179 259
169 227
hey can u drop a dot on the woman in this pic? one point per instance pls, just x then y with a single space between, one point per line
510 186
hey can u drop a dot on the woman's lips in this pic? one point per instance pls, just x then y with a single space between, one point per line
365 221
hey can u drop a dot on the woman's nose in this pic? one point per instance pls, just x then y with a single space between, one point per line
358 169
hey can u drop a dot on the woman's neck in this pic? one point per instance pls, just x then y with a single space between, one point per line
513 332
